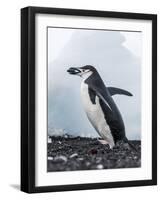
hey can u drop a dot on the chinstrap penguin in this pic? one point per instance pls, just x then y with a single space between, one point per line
100 107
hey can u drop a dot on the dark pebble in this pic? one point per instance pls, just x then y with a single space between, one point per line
93 151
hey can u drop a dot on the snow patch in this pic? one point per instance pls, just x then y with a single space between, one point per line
64 133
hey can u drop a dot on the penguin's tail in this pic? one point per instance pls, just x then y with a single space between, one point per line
130 144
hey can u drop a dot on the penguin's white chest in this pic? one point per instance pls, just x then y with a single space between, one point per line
95 115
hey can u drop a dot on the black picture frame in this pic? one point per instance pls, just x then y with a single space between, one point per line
28 98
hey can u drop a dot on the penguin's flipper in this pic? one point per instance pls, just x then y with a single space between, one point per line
101 96
113 91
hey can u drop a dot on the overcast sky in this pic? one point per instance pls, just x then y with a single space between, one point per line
117 57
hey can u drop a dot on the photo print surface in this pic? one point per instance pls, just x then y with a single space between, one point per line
94 99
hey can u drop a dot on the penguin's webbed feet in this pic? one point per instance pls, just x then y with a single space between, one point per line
105 142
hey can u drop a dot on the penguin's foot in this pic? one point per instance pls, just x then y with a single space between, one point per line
103 142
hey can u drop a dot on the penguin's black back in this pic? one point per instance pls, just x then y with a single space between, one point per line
114 122
113 117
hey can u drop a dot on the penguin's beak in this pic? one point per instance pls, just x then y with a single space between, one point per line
73 70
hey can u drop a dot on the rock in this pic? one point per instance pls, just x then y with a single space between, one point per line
93 151
87 164
60 159
98 160
50 158
73 155
80 159
49 140
100 166
66 136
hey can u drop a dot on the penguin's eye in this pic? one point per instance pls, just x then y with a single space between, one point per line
83 70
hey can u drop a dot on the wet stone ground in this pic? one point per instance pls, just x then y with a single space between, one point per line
67 154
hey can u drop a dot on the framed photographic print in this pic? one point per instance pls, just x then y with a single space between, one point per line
88 99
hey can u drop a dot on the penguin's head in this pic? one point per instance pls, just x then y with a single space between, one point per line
83 72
